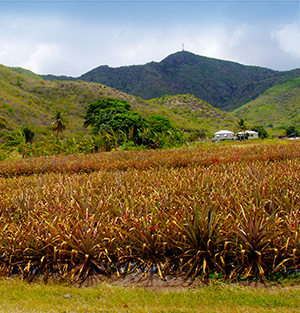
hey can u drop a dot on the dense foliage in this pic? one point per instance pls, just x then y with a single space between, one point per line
291 131
262 133
223 84
224 211
115 116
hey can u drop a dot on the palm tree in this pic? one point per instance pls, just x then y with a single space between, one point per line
59 123
242 129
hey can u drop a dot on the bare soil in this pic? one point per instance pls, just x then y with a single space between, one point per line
151 282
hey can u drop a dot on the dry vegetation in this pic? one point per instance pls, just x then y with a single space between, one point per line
230 212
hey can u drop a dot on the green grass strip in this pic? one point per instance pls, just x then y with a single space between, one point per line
18 296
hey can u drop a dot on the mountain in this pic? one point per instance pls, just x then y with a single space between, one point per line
223 84
276 108
28 100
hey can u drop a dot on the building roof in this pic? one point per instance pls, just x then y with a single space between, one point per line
223 132
248 132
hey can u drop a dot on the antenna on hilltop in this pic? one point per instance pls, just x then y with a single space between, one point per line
182 47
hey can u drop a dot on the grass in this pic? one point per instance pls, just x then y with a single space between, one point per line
18 296
279 104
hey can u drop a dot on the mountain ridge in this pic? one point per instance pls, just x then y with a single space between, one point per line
275 108
224 84
26 100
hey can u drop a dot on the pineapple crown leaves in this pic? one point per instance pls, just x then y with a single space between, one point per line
255 231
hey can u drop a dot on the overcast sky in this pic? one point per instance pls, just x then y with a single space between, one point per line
73 37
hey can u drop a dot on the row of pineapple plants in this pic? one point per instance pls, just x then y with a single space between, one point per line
190 156
235 219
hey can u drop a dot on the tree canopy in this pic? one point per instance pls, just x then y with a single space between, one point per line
113 115
291 131
159 123
29 134
262 133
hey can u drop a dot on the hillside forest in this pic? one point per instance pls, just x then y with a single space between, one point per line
30 103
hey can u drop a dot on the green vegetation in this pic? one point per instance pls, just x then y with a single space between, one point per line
29 134
159 123
189 113
58 124
262 133
241 128
30 102
276 109
36 101
3 122
17 296
25 72
225 85
115 116
291 131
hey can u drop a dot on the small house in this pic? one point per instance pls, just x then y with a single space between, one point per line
252 134
223 135
248 134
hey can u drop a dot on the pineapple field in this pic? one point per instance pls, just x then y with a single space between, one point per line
230 211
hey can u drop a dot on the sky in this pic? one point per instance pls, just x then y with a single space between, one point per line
74 37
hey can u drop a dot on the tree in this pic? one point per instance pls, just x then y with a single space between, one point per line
242 129
262 133
291 131
59 123
102 108
18 140
159 123
29 134
113 115
241 125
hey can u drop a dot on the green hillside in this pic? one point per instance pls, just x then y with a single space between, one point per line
223 84
188 112
28 100
276 108
25 72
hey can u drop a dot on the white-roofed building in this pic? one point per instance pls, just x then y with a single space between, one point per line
249 134
224 135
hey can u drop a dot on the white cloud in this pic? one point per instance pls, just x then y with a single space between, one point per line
288 38
73 42
44 57
38 57
239 33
